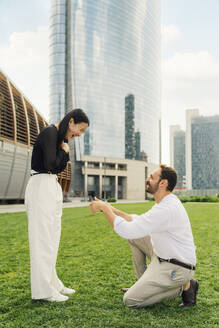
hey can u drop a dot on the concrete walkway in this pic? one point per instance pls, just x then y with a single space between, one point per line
13 208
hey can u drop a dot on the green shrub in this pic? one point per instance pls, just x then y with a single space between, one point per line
111 200
203 199
150 198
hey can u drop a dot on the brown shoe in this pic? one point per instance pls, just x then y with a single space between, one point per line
189 295
124 289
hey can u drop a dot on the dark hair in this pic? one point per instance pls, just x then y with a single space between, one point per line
78 115
168 173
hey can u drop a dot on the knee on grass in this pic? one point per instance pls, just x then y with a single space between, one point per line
133 302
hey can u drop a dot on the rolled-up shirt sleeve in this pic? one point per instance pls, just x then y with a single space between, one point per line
134 216
155 220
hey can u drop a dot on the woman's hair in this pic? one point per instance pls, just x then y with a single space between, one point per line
78 115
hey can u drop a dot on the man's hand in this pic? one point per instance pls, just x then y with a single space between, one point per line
97 205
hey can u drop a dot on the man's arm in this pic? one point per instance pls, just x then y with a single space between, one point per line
109 211
123 215
97 205
153 221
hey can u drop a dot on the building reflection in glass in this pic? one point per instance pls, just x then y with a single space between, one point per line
101 51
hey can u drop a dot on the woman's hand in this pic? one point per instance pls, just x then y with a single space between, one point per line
65 147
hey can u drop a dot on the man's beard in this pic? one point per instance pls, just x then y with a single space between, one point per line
154 189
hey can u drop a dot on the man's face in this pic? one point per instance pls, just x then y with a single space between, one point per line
153 182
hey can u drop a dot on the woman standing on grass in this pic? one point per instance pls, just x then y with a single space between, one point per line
43 199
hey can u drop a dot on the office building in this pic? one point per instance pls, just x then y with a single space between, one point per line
138 154
205 152
190 113
177 154
195 153
130 127
100 52
119 178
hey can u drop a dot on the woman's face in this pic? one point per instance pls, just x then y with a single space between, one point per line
75 130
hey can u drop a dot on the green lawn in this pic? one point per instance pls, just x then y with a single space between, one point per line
97 263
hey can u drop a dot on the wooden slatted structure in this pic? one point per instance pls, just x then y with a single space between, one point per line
40 121
32 123
65 178
20 123
6 111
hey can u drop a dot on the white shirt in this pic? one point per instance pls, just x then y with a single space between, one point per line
169 227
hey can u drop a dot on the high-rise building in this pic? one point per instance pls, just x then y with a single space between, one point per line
132 137
138 145
101 51
205 152
177 154
130 127
190 113
195 153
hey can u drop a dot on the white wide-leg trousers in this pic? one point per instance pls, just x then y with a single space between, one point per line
43 200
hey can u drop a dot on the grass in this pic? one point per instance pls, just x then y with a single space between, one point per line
97 263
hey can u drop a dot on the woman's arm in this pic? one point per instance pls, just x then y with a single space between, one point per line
52 158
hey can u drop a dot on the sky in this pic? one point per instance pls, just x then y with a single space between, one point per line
190 56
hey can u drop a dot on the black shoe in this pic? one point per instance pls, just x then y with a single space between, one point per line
189 295
124 289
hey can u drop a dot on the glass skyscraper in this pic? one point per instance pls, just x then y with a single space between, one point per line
178 153
205 152
195 153
101 51
179 157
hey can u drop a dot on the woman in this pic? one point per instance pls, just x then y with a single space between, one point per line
43 199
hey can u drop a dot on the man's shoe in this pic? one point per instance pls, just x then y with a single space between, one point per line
57 298
67 291
189 295
124 289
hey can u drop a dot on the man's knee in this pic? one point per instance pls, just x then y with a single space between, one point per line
131 242
133 301
128 301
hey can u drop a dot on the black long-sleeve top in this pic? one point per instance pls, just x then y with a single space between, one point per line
47 156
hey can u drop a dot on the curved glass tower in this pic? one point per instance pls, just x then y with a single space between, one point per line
105 58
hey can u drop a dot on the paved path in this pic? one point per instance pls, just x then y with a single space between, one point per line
12 208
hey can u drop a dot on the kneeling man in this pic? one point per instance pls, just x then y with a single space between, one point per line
163 234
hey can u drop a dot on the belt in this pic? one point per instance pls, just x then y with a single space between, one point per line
43 172
174 261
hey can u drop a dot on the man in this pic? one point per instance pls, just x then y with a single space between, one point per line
166 226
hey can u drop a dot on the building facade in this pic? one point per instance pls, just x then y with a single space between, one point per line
190 113
178 152
195 153
130 151
20 123
205 152
100 52
117 178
